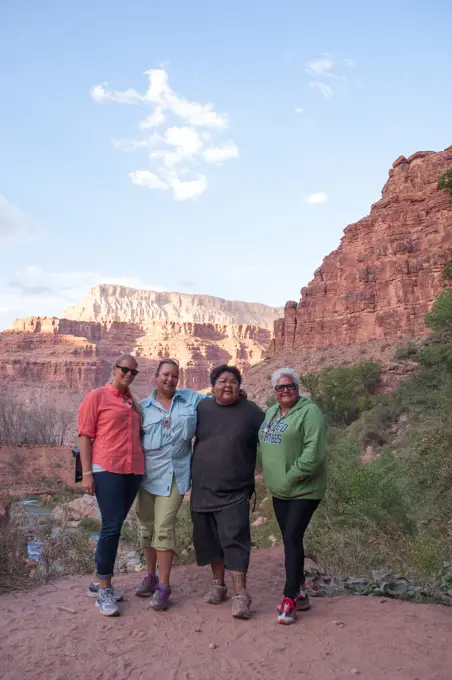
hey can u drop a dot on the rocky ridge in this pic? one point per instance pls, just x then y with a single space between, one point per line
383 277
108 303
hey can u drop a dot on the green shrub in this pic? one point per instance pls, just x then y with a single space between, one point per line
436 356
271 400
445 182
395 511
440 318
407 351
343 392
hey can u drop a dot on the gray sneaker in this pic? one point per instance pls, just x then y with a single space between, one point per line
217 593
106 602
93 591
241 604
147 586
160 599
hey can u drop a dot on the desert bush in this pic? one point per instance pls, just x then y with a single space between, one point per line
445 182
271 400
439 320
46 424
407 351
375 426
65 551
14 570
343 392
436 356
397 510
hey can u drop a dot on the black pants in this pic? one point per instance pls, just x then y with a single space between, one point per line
115 495
293 517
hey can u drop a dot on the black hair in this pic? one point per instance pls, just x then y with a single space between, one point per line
166 361
224 368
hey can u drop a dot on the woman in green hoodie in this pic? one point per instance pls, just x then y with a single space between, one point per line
292 442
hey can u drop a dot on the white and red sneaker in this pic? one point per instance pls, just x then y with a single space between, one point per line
287 611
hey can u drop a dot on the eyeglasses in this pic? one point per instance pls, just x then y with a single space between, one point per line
125 369
290 387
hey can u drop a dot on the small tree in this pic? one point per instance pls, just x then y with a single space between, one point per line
445 182
440 318
310 381
447 271
343 392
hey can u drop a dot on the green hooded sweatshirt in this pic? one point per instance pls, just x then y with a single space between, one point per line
293 451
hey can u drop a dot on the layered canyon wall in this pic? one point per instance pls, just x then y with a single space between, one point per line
386 272
73 355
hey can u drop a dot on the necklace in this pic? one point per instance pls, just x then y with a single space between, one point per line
273 424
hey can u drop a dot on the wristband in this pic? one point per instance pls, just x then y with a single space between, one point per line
86 474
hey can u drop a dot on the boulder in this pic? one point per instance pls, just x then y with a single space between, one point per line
78 509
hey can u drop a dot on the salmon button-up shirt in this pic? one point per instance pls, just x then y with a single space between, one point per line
114 427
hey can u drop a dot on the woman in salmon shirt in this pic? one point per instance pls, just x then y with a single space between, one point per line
109 423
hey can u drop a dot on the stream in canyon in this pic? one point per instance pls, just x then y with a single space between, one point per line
37 513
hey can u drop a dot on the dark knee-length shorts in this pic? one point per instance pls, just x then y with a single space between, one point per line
223 534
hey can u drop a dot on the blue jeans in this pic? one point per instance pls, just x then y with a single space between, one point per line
115 495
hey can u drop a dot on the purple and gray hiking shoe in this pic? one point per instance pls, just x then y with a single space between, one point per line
160 599
147 586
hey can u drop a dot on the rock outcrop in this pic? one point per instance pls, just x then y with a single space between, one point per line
383 277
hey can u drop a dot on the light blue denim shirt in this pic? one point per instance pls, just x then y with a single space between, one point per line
167 441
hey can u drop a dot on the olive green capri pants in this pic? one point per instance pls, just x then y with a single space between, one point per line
157 518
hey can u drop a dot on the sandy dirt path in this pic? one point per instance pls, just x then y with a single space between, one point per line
374 639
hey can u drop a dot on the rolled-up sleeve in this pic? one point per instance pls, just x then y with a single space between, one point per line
88 414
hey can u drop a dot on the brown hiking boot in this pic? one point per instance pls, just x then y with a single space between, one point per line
241 605
217 593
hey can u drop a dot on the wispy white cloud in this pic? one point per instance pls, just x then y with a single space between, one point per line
155 119
299 110
170 179
100 94
325 90
315 199
144 178
321 67
189 189
177 147
322 76
220 154
14 223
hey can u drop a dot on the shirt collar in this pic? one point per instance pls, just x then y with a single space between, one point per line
116 392
177 395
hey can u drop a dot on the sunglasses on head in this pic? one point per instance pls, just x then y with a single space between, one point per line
290 387
125 369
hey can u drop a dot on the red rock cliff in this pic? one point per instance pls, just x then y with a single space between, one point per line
383 277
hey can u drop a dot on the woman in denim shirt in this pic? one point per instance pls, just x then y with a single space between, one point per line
169 424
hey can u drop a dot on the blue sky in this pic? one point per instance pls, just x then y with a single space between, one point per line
259 132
